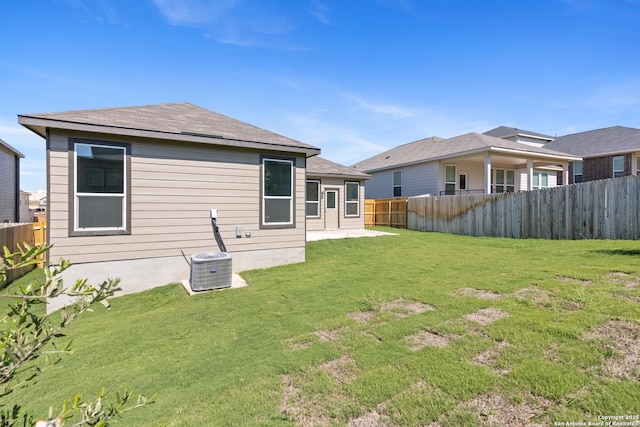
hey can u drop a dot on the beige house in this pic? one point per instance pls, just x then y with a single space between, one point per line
130 188
10 179
335 196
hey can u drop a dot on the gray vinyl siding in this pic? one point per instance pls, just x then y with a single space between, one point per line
173 188
8 188
416 180
344 222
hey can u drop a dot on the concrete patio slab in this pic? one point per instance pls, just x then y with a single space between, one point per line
344 234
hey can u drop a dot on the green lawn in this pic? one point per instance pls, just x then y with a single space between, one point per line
395 330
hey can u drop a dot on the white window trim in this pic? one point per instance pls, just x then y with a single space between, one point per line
614 166
540 180
314 201
505 185
77 195
347 202
265 197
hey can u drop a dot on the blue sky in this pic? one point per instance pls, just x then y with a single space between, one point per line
353 77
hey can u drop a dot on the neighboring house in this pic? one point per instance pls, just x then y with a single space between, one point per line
520 135
10 183
469 163
25 212
130 188
335 195
606 153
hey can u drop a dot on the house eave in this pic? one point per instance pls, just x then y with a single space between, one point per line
39 126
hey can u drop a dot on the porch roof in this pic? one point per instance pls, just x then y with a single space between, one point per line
468 147
319 167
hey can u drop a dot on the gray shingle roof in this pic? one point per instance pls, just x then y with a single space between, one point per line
183 121
319 166
436 148
599 142
505 131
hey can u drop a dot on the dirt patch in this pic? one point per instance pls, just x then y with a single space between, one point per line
629 280
494 409
574 280
477 293
304 411
362 316
489 358
404 308
341 371
371 419
428 338
533 293
486 315
621 342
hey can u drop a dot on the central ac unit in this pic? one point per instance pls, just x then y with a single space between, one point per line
210 270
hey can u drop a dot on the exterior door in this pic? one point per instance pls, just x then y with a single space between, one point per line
331 209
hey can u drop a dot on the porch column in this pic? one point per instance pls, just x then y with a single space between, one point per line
529 175
565 173
487 174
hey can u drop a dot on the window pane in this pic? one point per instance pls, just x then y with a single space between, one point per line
277 178
331 199
99 169
397 178
618 166
536 179
511 177
577 168
450 189
352 192
463 182
397 191
312 208
352 209
100 212
450 173
313 191
544 180
499 176
277 210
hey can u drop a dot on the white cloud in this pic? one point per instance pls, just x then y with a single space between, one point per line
193 12
379 109
320 11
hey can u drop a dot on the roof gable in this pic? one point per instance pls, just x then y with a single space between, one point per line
506 132
599 142
183 121
319 166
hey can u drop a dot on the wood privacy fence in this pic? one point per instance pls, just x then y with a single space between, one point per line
605 209
12 235
389 212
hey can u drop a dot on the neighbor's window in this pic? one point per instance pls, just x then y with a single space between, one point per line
540 180
618 166
100 199
577 172
503 181
450 179
352 198
397 183
277 199
313 199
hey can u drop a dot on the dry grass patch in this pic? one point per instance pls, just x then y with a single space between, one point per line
403 308
341 371
629 280
486 316
477 293
622 341
371 419
329 336
489 358
428 338
496 410
362 316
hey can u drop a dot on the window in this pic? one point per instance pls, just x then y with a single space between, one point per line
313 199
450 179
100 202
540 180
462 180
638 165
577 172
618 166
397 183
352 199
502 181
277 199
